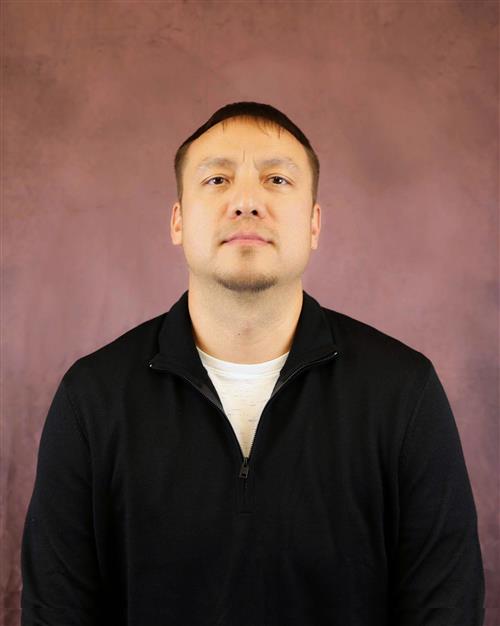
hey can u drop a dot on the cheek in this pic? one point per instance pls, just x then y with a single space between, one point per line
198 224
299 235
200 235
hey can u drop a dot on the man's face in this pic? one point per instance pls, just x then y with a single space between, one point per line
246 195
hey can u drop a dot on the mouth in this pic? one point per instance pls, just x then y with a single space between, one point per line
250 238
251 241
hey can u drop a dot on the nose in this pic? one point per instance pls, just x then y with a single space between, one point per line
246 200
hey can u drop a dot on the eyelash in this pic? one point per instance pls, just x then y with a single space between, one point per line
275 176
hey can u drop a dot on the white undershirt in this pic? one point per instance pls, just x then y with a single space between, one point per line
244 390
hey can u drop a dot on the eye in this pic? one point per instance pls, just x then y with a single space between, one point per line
215 178
276 176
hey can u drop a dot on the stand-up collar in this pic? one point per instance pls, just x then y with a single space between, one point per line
312 340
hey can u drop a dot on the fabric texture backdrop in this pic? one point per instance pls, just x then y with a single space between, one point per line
400 101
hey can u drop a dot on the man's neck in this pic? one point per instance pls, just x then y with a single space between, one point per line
227 327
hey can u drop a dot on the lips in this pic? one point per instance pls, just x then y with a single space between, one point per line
251 236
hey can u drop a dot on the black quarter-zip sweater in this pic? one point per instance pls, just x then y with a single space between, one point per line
354 507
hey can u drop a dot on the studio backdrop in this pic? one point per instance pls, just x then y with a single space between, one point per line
399 100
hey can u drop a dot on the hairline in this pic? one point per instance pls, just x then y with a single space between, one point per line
257 121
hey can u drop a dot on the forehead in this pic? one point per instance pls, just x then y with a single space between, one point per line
240 140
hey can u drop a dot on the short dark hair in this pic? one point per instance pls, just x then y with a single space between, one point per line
252 111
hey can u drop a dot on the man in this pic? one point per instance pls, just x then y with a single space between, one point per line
250 457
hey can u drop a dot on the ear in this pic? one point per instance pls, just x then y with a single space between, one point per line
176 224
315 226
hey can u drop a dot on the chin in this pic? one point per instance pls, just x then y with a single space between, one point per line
250 284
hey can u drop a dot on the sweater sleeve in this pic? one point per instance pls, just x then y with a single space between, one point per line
60 575
438 573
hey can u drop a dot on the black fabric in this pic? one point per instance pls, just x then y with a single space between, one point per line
356 510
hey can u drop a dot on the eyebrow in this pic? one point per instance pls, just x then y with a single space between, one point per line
209 162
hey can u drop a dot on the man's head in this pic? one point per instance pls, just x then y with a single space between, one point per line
266 184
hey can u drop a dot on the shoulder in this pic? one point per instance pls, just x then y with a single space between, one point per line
116 360
375 353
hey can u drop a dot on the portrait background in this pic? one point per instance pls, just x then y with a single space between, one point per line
400 101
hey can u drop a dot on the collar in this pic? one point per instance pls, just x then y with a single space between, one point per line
312 342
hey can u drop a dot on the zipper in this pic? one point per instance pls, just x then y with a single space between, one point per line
166 369
244 468
246 459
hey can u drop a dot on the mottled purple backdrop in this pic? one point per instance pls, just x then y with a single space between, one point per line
399 99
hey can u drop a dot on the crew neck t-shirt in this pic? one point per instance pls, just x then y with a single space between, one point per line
244 389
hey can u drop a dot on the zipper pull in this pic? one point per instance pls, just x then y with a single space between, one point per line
244 468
